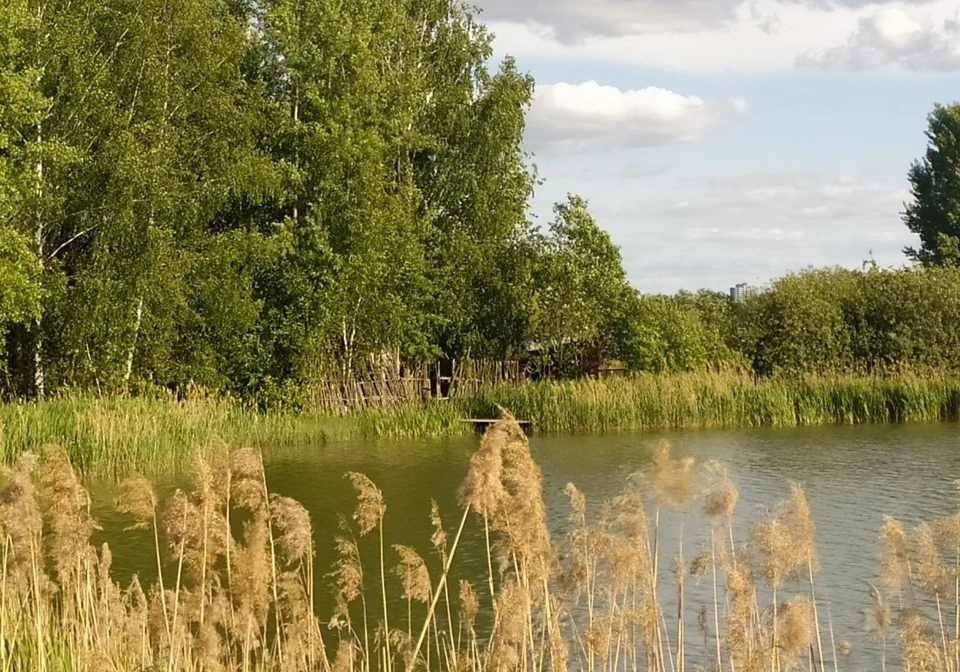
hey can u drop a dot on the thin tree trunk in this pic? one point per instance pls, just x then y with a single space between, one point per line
296 162
38 375
133 344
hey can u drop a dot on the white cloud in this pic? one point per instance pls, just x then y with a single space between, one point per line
572 20
892 37
715 232
751 36
578 117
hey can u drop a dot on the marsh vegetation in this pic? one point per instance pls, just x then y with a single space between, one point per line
237 586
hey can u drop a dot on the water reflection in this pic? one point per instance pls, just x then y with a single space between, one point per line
853 477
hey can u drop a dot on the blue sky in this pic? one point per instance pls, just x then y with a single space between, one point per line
722 141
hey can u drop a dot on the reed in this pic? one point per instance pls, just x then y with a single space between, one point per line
162 433
590 600
154 434
725 399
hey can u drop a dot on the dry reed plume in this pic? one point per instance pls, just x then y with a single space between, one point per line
237 578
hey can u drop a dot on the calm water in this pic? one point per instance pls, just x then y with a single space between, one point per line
853 477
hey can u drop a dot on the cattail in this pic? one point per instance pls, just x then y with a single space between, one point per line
347 576
439 536
246 479
795 630
413 575
66 506
672 479
894 558
370 507
469 604
482 489
137 499
292 520
721 495
701 564
21 523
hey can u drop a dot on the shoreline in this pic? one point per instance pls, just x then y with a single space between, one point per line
119 435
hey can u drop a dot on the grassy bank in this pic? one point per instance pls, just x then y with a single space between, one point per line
695 400
117 435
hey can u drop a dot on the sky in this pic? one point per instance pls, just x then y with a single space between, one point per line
727 141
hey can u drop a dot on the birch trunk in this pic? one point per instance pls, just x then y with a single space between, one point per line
133 346
38 375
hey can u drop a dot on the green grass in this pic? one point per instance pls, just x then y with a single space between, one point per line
116 435
113 436
721 400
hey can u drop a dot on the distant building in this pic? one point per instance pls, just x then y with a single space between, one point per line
740 292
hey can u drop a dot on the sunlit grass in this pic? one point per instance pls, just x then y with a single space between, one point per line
721 400
114 435
237 590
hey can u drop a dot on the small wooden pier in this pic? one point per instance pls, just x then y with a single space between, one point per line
481 424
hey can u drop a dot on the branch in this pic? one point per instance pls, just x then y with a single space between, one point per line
82 233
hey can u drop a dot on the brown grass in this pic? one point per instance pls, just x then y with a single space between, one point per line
241 597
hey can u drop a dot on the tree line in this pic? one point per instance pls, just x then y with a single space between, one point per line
817 321
251 195
241 194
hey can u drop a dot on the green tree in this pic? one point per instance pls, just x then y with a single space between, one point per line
934 214
580 283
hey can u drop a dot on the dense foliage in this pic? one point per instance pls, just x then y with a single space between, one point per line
934 213
816 321
259 196
246 194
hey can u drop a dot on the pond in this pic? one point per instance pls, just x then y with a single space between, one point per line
853 477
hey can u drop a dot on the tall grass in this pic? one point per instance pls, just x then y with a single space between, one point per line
116 435
241 592
722 400
149 433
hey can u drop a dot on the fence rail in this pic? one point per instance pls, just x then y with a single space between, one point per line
383 383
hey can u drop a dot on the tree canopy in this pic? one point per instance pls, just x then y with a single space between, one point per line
934 213
257 196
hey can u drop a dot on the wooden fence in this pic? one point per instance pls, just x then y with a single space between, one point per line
383 383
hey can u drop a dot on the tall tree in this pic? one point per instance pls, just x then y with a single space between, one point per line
581 283
934 214
20 107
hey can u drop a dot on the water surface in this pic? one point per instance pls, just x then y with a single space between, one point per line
853 477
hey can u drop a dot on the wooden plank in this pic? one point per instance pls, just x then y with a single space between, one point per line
483 421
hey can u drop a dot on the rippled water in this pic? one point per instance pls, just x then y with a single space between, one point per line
853 477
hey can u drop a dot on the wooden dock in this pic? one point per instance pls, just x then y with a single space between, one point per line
483 422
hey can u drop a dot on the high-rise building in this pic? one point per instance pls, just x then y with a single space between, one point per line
741 291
